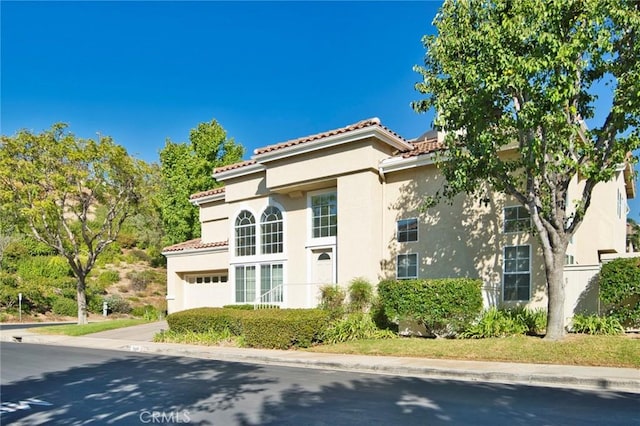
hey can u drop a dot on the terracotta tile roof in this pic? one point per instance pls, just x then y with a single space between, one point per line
425 146
359 125
234 166
194 244
206 193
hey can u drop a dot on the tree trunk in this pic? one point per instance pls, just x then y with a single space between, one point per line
82 301
555 293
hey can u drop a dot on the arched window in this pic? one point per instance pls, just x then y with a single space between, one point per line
271 229
245 234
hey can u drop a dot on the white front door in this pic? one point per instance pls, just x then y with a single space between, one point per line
322 273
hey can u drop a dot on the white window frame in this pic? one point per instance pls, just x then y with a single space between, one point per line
505 273
207 278
417 231
279 296
245 293
517 220
318 241
236 227
407 277
280 233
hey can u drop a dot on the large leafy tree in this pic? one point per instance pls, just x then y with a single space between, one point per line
186 169
54 182
526 74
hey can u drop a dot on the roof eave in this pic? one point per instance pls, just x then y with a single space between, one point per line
193 251
207 199
240 171
334 140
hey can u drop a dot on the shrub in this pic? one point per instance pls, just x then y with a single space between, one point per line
245 307
53 267
284 328
534 319
593 324
620 290
140 279
202 320
495 323
116 304
65 306
148 312
355 326
108 277
444 306
332 300
111 254
360 295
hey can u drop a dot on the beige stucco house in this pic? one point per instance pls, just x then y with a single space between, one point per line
345 203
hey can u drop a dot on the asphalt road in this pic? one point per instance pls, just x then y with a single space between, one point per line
71 386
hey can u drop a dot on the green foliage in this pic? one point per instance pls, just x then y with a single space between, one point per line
535 320
360 295
495 323
116 304
593 324
108 277
193 338
186 169
112 254
444 306
245 307
354 326
147 312
202 320
284 328
65 307
54 267
332 300
620 290
502 75
72 194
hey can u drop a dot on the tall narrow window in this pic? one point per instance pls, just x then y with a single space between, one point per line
407 266
324 210
517 273
245 284
245 234
271 229
271 283
516 219
407 230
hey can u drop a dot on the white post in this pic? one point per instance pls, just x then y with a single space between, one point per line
104 309
20 306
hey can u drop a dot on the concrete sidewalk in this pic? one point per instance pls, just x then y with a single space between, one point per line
138 339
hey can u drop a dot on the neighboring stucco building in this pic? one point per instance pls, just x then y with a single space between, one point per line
345 203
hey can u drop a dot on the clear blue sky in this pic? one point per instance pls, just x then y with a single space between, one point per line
142 72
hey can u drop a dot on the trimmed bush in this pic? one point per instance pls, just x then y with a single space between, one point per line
106 278
204 320
64 306
445 306
284 328
593 324
620 290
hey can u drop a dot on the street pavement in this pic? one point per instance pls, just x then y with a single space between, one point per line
139 339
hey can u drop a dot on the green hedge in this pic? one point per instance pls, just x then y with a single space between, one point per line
445 306
620 290
262 328
284 328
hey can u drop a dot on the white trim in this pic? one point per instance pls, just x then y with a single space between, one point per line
395 164
194 251
238 172
335 140
208 199
320 241
504 219
504 258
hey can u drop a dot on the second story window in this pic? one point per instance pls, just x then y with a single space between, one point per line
271 230
324 211
516 219
245 234
407 230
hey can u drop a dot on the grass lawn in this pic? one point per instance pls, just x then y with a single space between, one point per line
94 327
575 349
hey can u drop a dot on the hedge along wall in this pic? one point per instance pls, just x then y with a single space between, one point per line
444 306
620 290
